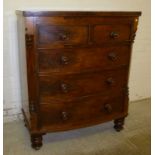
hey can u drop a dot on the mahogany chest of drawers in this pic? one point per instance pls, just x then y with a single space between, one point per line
75 66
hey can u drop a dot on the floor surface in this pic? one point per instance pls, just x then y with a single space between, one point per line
98 140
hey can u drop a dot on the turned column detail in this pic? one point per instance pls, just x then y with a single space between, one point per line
118 124
36 141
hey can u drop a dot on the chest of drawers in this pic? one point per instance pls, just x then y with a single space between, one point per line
75 66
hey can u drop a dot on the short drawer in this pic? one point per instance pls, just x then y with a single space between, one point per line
55 36
76 60
67 87
112 33
85 112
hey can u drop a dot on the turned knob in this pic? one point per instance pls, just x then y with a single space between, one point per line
108 108
63 37
112 56
64 60
64 115
114 35
64 87
110 81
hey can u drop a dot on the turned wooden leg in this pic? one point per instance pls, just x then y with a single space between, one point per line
118 124
36 140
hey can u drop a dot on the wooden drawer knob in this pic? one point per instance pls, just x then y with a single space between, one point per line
64 60
64 87
110 81
108 108
114 35
64 115
63 37
112 56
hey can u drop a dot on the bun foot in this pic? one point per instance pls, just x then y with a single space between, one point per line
118 124
36 140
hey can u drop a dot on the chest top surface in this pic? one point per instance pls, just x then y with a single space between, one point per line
78 13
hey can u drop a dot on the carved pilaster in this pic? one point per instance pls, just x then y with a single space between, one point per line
135 24
126 90
32 107
29 40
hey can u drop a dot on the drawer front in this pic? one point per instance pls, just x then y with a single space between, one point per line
57 32
112 33
88 111
61 87
51 36
75 60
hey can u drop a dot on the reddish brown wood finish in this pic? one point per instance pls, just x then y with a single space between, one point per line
75 60
77 68
84 111
111 33
56 35
66 87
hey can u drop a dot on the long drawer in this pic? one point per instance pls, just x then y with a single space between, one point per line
67 87
75 60
85 112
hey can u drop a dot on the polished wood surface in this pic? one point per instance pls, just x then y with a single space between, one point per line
77 68
77 13
87 59
66 87
83 111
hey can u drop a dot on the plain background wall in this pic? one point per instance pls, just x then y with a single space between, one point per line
139 81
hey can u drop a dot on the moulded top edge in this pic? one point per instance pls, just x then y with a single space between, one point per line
77 13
